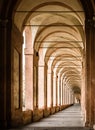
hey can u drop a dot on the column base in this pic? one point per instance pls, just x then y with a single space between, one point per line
37 114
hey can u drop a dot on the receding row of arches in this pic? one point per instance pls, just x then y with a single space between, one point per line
49 59
53 53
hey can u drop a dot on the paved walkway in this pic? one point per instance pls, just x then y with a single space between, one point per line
63 120
69 117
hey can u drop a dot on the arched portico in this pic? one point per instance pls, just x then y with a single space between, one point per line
57 56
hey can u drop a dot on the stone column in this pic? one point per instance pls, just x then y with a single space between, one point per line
83 88
41 89
45 84
59 90
70 97
93 72
28 70
49 91
72 100
67 95
63 93
54 90
3 69
8 34
90 68
35 80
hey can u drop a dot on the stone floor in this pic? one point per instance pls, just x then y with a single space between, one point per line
70 118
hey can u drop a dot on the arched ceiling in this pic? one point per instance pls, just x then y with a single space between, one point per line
57 28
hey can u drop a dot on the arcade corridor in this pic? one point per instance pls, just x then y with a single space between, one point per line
70 118
47 63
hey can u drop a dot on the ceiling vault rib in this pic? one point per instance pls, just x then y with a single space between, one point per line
60 41
64 56
61 66
56 25
25 11
60 47
65 60
69 67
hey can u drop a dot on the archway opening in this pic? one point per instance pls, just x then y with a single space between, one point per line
54 59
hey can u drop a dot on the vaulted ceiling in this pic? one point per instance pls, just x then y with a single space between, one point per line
58 28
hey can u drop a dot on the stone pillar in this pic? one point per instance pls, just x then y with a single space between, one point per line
50 89
3 69
16 84
68 95
59 90
90 70
41 94
73 98
28 70
54 90
42 80
93 73
63 93
45 84
35 80
8 34
83 88
72 101
35 87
